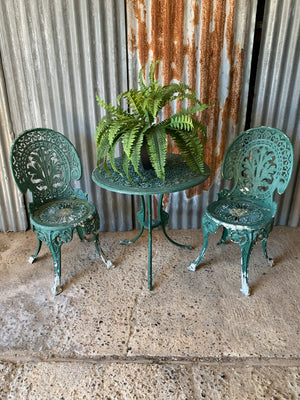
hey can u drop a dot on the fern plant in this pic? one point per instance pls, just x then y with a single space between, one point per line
141 124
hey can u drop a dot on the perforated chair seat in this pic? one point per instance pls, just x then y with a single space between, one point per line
239 213
62 213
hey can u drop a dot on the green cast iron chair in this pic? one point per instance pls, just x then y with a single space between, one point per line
259 161
45 162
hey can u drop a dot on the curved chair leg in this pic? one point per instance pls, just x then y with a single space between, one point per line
246 248
33 257
194 265
55 249
208 226
264 246
81 234
108 263
224 236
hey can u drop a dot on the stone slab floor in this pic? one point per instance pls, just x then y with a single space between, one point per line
195 336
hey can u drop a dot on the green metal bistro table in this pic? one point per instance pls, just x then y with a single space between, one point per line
178 177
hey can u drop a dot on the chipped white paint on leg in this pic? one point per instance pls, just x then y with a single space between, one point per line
245 287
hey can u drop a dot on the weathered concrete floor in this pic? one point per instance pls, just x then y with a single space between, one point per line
106 336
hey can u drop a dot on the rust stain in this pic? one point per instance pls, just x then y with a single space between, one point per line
212 40
155 207
158 31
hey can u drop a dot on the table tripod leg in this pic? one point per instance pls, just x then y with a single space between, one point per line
149 204
164 217
141 219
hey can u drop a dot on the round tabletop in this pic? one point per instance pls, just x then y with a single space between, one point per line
178 177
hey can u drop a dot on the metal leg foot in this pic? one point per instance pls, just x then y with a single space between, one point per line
269 259
108 263
194 265
57 289
245 287
33 257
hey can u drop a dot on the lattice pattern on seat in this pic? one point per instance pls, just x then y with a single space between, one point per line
259 161
62 212
45 162
239 212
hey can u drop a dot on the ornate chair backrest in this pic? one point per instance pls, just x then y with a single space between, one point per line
44 162
259 161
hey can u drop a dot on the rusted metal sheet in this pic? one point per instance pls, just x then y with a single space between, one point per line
277 91
207 44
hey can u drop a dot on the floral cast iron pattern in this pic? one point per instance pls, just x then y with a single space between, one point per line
239 212
45 163
259 161
64 211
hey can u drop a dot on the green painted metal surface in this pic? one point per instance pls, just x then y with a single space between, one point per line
45 162
178 176
260 161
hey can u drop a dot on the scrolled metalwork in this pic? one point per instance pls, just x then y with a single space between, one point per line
259 161
45 162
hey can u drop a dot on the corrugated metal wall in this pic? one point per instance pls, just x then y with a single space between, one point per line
56 54
277 90
12 206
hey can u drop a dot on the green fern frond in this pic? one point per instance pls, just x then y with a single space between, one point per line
136 153
111 156
191 110
191 149
114 130
152 106
99 132
181 122
103 148
187 96
109 108
130 138
125 166
142 84
103 127
134 99
157 148
152 81
200 130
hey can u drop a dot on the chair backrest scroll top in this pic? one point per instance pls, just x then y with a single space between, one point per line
44 162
